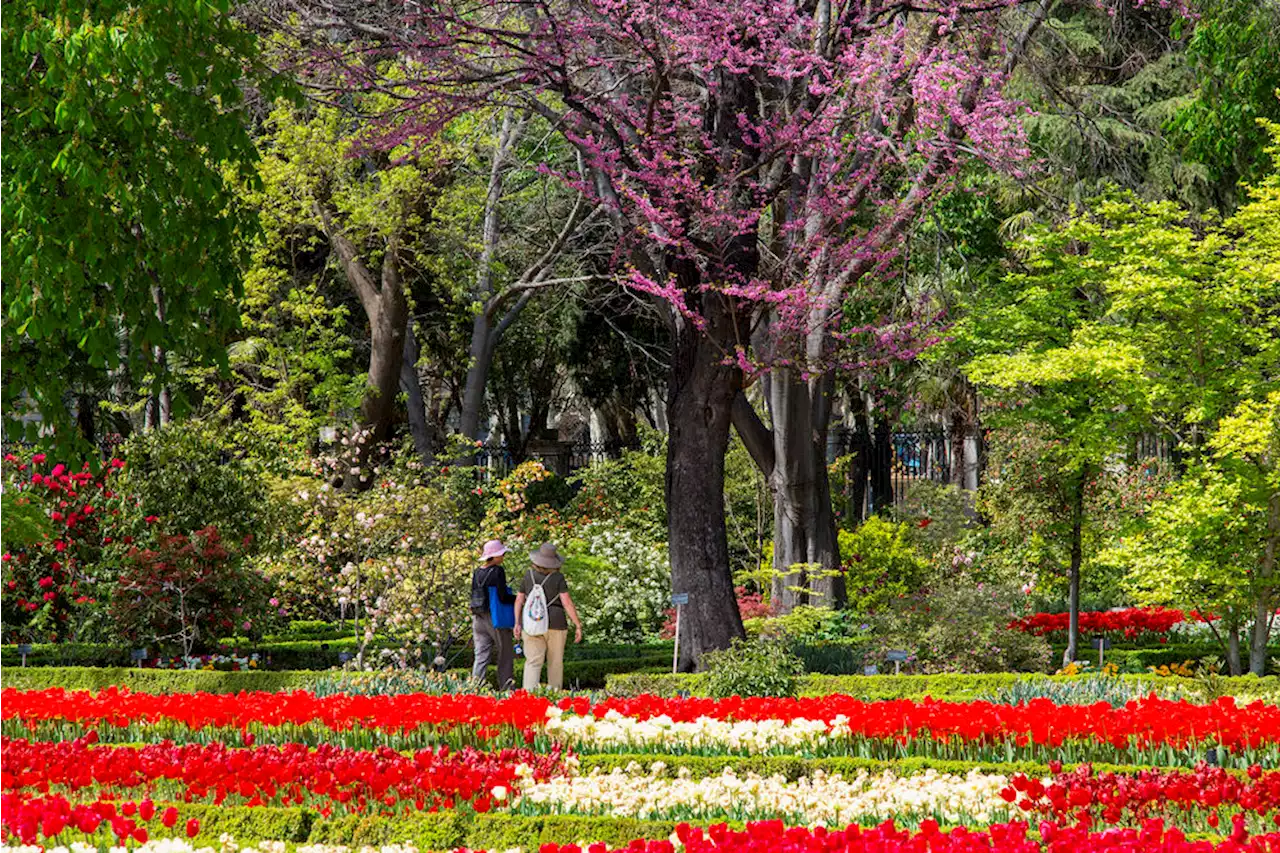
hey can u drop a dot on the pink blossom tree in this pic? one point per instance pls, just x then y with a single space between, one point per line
761 161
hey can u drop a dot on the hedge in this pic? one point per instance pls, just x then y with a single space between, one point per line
948 686
295 654
444 830
581 674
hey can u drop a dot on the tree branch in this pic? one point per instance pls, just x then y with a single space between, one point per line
757 437
358 275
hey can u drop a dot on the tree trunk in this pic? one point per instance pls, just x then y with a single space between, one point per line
1263 610
386 356
483 337
700 398
806 558
419 427
1233 649
880 475
859 471
160 409
1077 557
479 363
959 431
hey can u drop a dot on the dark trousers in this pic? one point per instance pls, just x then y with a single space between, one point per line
490 641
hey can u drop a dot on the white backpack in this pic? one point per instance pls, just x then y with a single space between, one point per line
533 621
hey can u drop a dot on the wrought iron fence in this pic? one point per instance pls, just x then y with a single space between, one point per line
562 457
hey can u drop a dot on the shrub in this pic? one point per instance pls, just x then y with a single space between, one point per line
191 478
185 593
395 557
880 564
62 536
620 582
937 514
753 668
962 626
629 491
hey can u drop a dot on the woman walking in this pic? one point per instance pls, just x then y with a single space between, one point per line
490 631
542 618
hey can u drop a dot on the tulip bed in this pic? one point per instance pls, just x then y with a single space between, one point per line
445 771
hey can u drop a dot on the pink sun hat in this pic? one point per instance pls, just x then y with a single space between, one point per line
493 548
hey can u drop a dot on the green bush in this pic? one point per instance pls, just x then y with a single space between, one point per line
961 625
620 582
880 564
753 668
192 476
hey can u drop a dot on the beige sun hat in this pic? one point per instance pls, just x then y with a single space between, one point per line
547 557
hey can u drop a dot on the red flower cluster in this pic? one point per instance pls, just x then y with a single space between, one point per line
1147 793
354 781
47 576
1129 623
773 836
30 818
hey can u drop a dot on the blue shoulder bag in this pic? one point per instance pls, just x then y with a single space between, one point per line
503 615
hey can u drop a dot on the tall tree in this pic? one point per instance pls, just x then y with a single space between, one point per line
758 160
123 233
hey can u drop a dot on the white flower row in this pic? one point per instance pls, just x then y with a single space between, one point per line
751 736
833 800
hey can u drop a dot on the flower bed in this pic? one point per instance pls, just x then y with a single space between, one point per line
133 767
1130 623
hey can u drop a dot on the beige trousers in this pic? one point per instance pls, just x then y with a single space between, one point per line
550 648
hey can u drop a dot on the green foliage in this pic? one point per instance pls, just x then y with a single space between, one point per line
950 687
1025 501
629 490
880 564
191 476
1196 548
752 668
1086 690
124 123
1232 52
938 515
25 521
961 625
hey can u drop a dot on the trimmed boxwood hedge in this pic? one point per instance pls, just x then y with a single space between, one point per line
444 830
948 686
580 674
296 654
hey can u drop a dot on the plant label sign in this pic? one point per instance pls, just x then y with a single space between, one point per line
138 655
871 670
1101 643
678 599
896 656
24 649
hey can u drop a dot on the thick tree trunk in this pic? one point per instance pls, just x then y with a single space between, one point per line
859 471
419 427
806 558
1263 610
386 356
387 309
699 402
479 363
